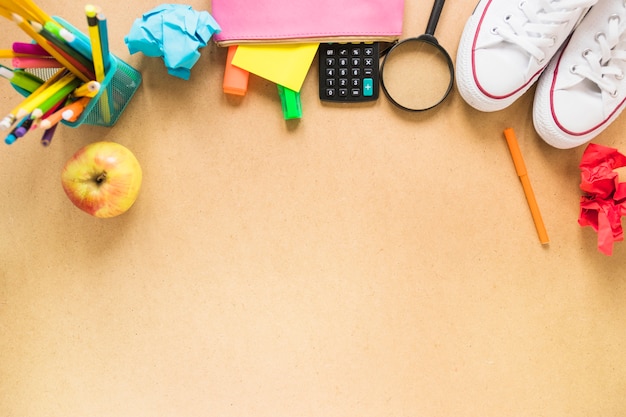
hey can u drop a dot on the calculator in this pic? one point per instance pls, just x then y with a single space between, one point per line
348 72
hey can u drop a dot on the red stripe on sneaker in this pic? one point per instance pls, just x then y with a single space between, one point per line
556 119
480 87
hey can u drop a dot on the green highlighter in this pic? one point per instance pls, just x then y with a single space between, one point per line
290 101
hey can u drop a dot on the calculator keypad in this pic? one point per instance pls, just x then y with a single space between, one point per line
348 72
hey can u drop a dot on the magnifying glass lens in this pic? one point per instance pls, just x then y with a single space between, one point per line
416 74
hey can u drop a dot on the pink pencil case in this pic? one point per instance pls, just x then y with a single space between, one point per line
275 21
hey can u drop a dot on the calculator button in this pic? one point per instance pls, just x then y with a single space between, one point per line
368 72
356 62
343 92
368 62
343 72
330 92
356 72
331 82
369 51
368 87
343 62
330 72
355 92
343 82
330 62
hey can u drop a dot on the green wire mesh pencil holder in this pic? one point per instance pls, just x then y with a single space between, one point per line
118 87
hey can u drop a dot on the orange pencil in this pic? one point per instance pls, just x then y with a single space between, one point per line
69 112
520 167
72 111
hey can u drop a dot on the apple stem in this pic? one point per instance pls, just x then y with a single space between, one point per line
100 179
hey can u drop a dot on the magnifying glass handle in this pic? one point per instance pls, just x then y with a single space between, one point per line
434 17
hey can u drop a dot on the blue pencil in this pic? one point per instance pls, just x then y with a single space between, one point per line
81 46
104 40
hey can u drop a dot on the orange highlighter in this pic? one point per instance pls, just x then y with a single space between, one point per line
235 78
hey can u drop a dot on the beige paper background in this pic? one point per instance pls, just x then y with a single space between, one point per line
359 262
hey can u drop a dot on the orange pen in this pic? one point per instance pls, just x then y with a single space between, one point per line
520 167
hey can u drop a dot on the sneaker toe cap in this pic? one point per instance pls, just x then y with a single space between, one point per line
500 74
577 111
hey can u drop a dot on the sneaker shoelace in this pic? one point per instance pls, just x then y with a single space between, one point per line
538 29
604 67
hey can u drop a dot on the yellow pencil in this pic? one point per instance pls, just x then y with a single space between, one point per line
89 89
5 13
18 8
520 168
94 38
46 94
8 121
8 53
36 10
98 59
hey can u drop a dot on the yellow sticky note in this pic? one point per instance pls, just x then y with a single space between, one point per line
283 64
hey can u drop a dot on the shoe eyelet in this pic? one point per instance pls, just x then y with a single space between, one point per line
522 3
507 18
586 53
614 93
572 69
615 17
619 76
494 30
598 35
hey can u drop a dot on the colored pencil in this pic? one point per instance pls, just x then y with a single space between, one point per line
11 118
76 42
72 111
36 99
98 60
10 54
21 79
36 63
52 95
89 89
104 40
26 27
29 48
94 38
81 63
47 136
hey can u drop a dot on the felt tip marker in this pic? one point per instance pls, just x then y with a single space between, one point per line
520 168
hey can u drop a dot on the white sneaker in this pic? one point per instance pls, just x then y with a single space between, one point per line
506 44
582 91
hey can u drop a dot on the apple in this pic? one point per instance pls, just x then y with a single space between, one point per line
102 179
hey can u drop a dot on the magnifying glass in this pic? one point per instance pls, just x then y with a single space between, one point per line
417 74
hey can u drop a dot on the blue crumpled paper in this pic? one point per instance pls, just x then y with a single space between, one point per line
174 32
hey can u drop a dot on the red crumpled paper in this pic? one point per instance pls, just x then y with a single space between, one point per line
604 202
